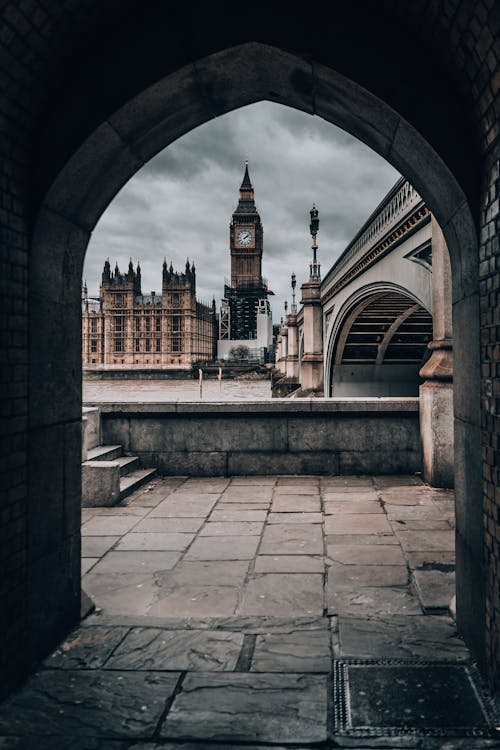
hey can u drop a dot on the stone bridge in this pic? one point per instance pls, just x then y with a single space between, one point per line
380 324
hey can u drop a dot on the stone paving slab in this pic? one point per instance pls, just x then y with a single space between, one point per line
353 495
195 601
291 490
435 588
283 593
87 648
371 523
416 496
383 481
249 707
151 541
265 481
366 575
400 636
295 518
214 485
237 514
133 561
298 479
243 506
179 507
431 559
289 564
96 546
207 573
365 600
154 649
364 554
362 539
423 541
121 510
299 651
242 493
431 524
412 512
296 504
352 506
170 525
109 525
146 501
295 539
89 703
232 528
121 593
223 548
347 482
88 563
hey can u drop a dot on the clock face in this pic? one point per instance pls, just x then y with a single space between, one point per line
244 237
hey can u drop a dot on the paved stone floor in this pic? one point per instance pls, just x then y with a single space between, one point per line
262 612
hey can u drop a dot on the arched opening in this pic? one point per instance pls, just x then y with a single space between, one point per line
380 346
100 165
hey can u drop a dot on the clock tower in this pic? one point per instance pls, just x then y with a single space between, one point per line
245 295
246 240
245 318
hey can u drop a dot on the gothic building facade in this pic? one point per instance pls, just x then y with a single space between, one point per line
245 312
124 327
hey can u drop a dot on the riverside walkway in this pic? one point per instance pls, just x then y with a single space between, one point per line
259 612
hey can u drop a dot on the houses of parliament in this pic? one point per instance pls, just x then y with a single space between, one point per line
124 327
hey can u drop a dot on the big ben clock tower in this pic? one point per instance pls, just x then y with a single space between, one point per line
247 292
246 240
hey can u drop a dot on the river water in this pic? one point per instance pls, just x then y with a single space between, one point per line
155 391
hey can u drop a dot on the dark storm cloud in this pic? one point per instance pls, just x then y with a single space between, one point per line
179 205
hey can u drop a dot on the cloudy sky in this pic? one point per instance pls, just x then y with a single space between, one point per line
179 205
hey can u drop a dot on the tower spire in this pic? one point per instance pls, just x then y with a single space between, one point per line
246 183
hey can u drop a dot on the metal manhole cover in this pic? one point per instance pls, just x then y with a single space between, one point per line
397 697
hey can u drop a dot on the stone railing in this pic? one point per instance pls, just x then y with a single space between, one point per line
388 216
282 436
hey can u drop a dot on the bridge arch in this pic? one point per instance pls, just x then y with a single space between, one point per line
383 365
115 85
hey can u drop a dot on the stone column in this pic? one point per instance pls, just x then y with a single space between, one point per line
292 360
312 361
436 393
277 355
284 349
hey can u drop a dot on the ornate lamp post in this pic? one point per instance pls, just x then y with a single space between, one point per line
312 360
315 267
294 304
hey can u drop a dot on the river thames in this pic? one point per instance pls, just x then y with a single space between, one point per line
154 391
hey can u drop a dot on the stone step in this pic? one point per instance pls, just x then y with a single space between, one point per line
127 464
135 479
104 453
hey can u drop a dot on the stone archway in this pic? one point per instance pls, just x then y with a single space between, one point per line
106 159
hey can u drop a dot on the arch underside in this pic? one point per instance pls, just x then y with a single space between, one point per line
380 347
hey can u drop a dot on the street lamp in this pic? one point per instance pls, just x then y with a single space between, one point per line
294 284
315 267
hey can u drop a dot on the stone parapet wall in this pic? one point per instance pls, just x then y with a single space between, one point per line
342 436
